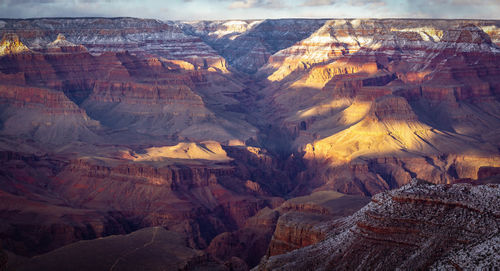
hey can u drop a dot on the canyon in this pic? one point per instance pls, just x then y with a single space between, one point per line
253 143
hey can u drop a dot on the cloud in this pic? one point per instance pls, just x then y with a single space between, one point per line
314 3
27 2
80 8
10 3
245 4
454 9
370 3
249 9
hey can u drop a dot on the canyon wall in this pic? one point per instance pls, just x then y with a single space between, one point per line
243 137
420 225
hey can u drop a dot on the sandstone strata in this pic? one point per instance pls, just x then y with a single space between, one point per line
418 226
378 96
296 223
205 128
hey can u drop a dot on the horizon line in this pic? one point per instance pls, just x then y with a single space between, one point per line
257 19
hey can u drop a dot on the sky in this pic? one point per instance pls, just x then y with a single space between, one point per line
252 9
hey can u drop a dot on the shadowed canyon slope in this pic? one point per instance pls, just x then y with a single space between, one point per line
147 249
245 138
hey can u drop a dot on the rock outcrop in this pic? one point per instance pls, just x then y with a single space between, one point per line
192 189
296 223
11 44
304 220
418 226
181 194
249 46
35 220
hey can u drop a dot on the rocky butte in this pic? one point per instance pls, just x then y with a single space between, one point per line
290 144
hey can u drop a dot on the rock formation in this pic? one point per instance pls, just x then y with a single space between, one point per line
397 89
244 137
10 44
119 34
418 226
303 219
248 45
296 223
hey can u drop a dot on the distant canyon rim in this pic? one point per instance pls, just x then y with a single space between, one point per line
230 145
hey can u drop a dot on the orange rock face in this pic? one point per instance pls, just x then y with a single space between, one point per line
10 44
399 95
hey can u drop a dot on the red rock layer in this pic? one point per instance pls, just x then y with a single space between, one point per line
198 200
294 224
486 172
150 194
145 92
397 81
99 35
38 98
411 227
34 220
294 231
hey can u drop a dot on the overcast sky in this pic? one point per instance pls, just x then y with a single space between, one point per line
252 9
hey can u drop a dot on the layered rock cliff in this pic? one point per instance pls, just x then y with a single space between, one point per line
295 223
44 115
205 128
418 226
247 45
151 95
139 36
387 89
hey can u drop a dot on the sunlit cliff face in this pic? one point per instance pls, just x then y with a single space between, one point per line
211 151
345 89
11 44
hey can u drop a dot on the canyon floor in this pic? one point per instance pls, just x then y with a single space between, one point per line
228 145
